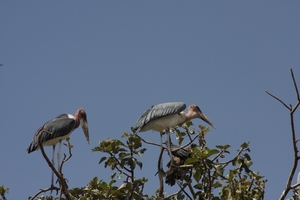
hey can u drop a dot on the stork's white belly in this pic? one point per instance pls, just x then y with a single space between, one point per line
163 123
54 141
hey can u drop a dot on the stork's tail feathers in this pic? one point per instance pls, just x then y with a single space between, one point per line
171 176
135 130
32 147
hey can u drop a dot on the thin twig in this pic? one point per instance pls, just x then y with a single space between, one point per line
182 189
192 190
147 142
184 146
178 192
122 172
45 190
227 162
183 166
295 185
128 170
278 99
219 154
295 84
160 174
295 107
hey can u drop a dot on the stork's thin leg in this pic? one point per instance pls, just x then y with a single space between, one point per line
52 177
160 169
58 154
169 144
162 149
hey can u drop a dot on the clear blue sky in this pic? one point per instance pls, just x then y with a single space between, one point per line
117 58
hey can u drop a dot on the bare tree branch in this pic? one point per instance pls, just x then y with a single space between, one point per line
295 185
292 109
63 185
295 84
160 174
278 99
192 190
45 190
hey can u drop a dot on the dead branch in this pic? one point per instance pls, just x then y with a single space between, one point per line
292 109
295 84
160 174
63 185
278 99
181 190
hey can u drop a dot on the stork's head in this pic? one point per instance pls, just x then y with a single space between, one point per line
195 112
81 115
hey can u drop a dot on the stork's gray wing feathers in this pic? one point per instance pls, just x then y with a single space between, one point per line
181 153
59 126
156 112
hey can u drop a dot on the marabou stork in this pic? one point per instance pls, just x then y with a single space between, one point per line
58 129
164 116
167 115
180 155
178 151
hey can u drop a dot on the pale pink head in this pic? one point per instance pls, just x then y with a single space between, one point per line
81 116
195 112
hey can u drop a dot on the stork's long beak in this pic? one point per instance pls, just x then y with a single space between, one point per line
85 128
204 118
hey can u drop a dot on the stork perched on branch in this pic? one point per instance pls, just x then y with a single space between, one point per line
167 115
164 116
58 129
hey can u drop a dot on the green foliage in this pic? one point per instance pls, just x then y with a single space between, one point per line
208 173
3 191
99 189
123 158
205 175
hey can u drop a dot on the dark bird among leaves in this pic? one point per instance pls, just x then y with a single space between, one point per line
179 157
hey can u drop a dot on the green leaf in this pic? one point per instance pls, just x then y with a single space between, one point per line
141 152
102 159
189 123
247 156
120 175
219 169
121 186
198 186
212 152
217 184
197 175
140 164
180 196
190 161
245 145
223 147
113 176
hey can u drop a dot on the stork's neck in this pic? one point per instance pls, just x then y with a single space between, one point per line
76 118
76 123
190 115
184 118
